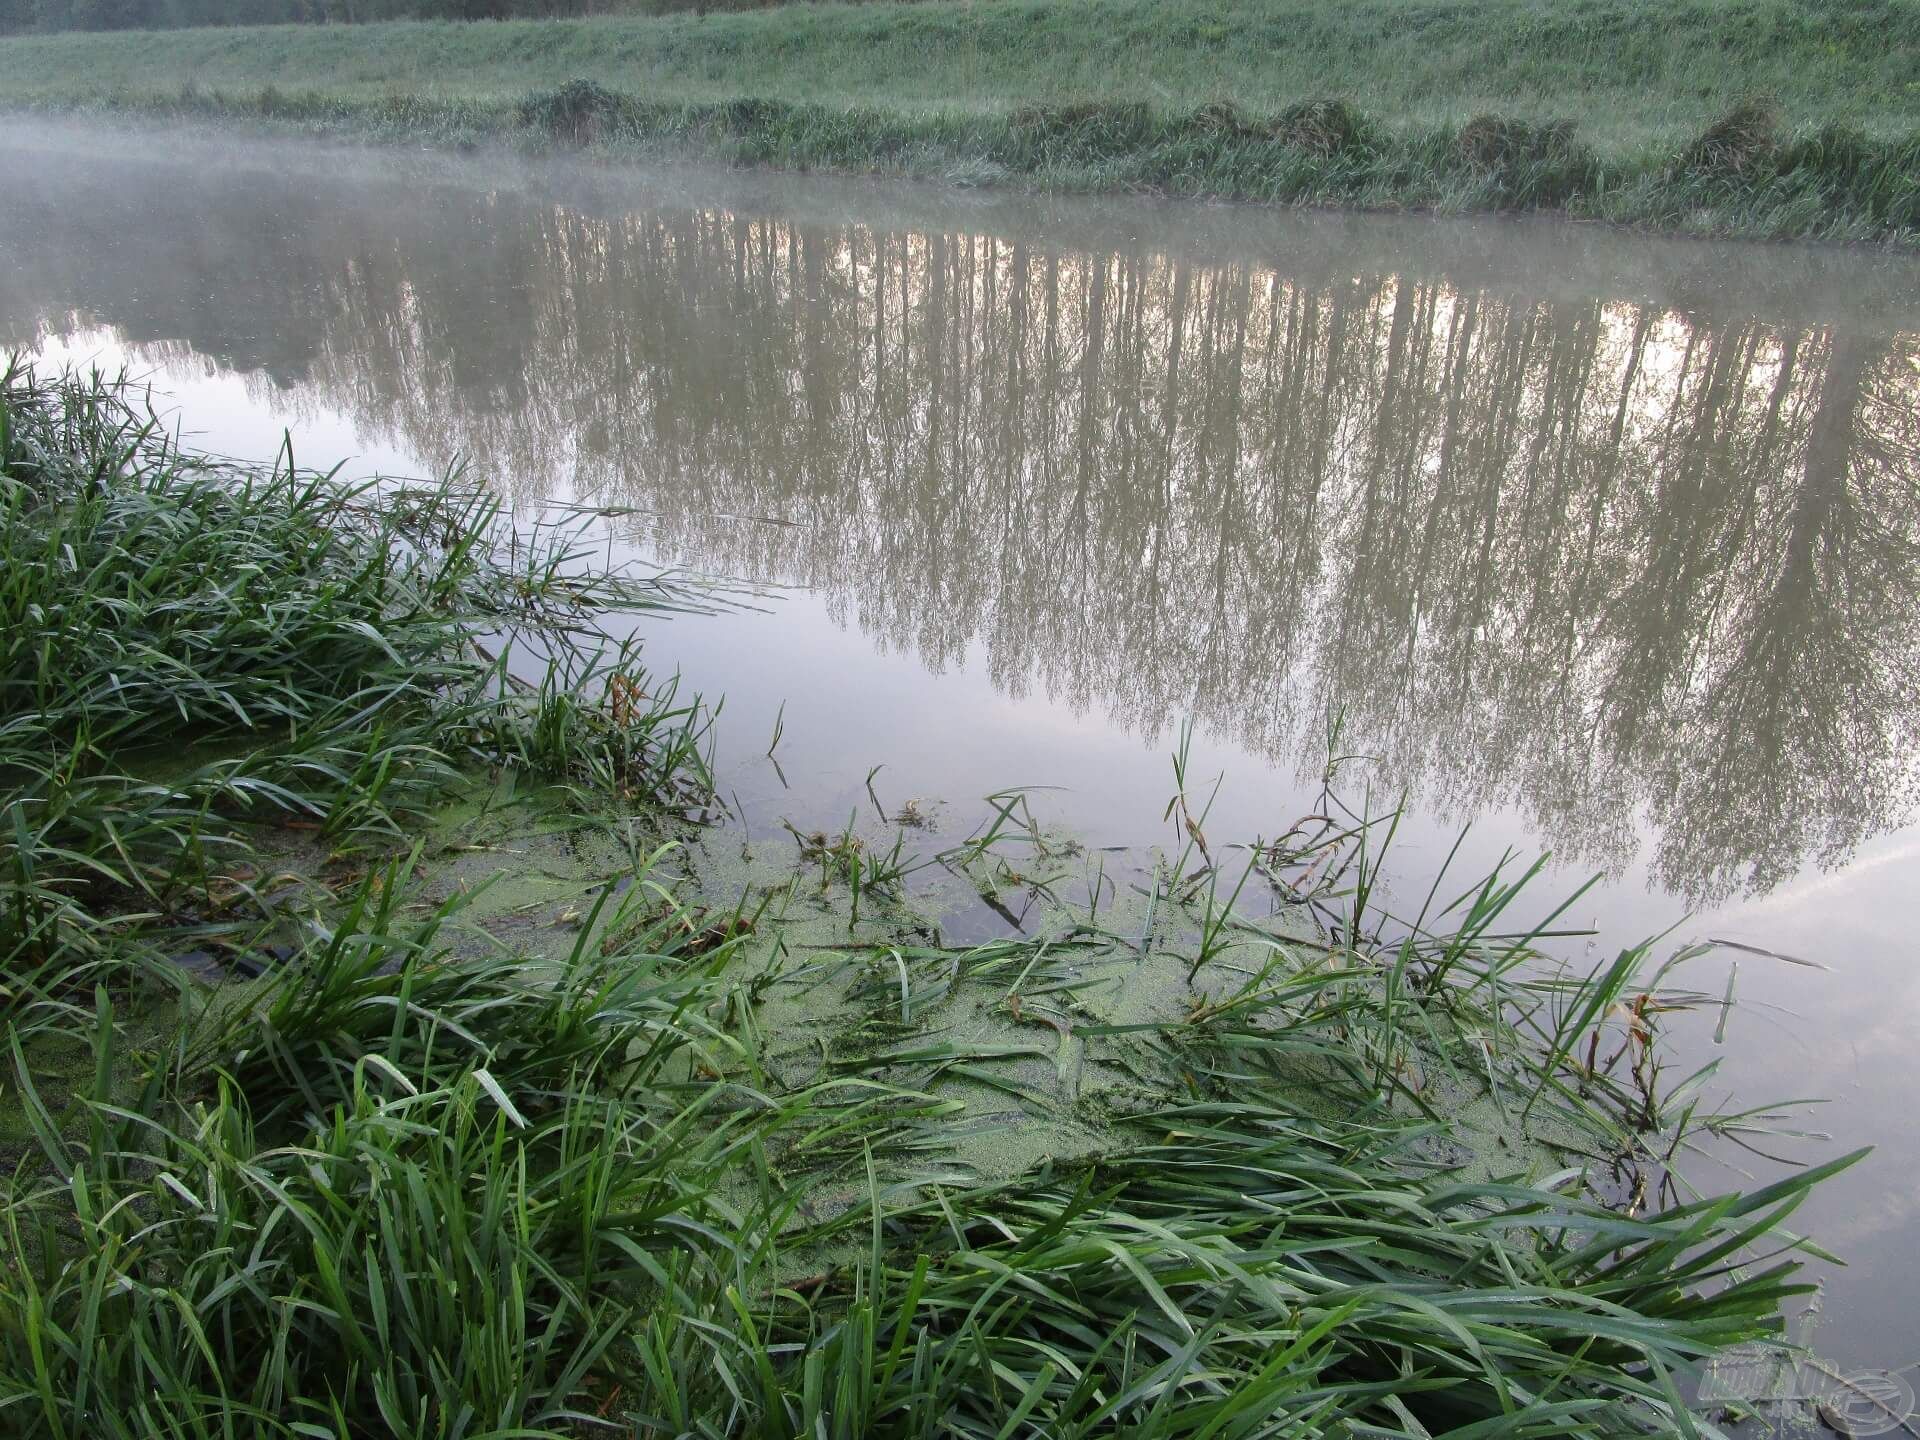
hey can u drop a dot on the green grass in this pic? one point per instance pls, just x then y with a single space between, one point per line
335 653
1185 98
511 1205
404 1182
1626 71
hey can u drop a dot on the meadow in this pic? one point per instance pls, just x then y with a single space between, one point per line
1753 117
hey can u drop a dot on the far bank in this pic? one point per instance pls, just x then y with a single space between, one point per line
1757 119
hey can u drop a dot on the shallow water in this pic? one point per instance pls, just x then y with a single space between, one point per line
1606 545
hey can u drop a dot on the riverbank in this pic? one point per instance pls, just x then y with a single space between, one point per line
415 1045
1609 112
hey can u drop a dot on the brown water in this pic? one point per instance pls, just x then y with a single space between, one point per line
1603 544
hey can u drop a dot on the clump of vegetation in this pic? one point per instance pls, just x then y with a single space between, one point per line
578 112
1529 163
1843 153
395 1187
1223 117
386 1192
1315 127
1080 132
336 654
407 1182
1738 143
1322 127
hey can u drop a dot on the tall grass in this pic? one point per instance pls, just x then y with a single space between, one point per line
416 1202
191 650
1632 75
481 1197
1833 181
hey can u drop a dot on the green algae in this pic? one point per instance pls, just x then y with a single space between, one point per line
1038 1042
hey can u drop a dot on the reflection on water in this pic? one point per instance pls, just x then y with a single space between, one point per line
1627 561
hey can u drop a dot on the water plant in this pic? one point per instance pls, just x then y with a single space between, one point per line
533 1198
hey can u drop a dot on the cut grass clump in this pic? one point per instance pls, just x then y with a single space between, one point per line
1323 127
1740 142
578 112
1747 174
1315 127
1081 133
1529 164
1223 117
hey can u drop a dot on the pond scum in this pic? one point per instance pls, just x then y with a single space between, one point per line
376 1066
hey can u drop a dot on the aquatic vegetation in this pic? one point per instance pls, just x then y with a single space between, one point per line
426 1198
484 1194
1218 1175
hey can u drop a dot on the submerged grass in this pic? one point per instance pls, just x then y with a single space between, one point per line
407 1183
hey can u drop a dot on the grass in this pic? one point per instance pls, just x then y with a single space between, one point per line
406 1182
1629 73
320 643
1605 110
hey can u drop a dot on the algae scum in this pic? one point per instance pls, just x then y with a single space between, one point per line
1034 1042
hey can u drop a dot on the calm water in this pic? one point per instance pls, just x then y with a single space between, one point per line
1608 546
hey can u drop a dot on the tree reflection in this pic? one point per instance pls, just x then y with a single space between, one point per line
1612 560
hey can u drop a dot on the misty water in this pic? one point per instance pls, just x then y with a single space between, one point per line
1602 545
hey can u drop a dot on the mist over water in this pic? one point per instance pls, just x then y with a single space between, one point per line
1605 543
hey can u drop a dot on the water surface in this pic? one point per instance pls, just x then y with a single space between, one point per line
1603 544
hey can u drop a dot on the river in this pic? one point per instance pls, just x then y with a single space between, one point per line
1602 545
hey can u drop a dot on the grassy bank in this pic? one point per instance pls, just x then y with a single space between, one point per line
371 1069
1611 110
